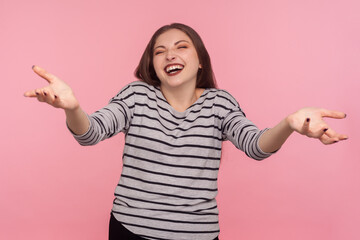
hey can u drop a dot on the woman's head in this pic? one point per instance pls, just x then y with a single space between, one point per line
146 72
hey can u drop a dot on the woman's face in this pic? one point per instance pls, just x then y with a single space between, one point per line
175 59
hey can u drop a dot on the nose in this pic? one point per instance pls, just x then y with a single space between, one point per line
170 55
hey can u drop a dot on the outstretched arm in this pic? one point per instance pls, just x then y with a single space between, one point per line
59 95
306 121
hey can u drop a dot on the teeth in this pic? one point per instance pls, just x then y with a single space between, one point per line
170 68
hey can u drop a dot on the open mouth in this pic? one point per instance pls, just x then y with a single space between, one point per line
173 69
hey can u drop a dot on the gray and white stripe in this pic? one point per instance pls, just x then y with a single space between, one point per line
171 159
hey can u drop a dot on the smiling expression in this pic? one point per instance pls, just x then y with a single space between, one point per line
175 59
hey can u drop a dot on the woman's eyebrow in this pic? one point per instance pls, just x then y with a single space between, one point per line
161 46
176 43
180 42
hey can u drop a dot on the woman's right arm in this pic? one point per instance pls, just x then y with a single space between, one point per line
59 95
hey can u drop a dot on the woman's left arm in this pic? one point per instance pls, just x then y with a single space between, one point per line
306 121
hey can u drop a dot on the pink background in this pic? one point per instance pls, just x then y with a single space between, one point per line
273 56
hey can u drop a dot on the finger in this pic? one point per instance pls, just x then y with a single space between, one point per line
305 127
343 137
49 96
320 133
30 93
40 96
336 136
326 140
38 92
331 133
332 114
44 74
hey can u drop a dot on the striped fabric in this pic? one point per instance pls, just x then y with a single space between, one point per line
171 159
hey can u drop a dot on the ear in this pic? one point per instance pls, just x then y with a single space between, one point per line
200 66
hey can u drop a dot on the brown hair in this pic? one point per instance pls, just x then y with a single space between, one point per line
145 70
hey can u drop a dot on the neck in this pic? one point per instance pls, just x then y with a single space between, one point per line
181 98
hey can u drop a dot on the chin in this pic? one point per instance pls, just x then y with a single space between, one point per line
177 82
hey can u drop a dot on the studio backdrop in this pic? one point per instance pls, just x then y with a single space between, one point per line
273 56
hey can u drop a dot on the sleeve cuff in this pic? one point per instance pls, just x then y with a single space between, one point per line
265 154
77 136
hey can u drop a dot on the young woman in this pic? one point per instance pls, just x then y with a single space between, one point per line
174 120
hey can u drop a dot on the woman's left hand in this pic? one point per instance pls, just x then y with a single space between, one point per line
309 122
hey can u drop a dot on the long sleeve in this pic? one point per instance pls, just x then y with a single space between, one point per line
110 120
241 131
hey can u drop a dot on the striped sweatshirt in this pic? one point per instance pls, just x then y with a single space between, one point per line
171 159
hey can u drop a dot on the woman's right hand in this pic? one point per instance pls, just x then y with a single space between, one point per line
58 94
